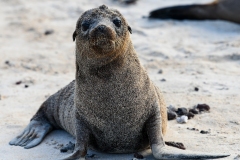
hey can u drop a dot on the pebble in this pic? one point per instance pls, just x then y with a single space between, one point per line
204 132
172 108
193 129
182 111
196 89
182 119
69 147
194 111
163 80
48 32
160 71
203 107
171 115
190 115
171 111
18 82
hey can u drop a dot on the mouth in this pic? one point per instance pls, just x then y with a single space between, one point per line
103 46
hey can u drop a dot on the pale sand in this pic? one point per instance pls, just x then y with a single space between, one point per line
190 53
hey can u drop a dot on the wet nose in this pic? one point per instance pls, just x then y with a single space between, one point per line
101 28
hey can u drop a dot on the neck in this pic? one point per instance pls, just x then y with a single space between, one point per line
103 67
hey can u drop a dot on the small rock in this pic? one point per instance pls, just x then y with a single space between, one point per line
172 108
203 107
163 80
26 86
30 29
194 111
182 119
182 111
138 156
18 82
234 122
160 71
196 89
171 115
48 32
190 115
70 146
204 132
193 129
8 63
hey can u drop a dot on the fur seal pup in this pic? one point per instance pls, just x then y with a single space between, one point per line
228 10
112 106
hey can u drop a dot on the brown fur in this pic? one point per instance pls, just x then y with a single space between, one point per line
112 106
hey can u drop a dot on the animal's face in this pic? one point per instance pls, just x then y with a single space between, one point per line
102 31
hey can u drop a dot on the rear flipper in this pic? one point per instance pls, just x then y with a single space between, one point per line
165 152
190 12
33 134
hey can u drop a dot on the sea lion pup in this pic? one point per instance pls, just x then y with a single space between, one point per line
112 106
228 10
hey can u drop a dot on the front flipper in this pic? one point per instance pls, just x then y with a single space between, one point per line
82 140
32 135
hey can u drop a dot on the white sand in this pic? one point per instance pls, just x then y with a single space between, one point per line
190 53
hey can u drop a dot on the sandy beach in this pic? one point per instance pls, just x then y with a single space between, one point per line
37 59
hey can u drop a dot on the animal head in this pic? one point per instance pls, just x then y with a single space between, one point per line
101 31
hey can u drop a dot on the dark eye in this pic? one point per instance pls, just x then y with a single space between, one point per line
117 22
85 26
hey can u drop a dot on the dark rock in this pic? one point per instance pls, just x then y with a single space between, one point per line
18 82
70 146
160 71
204 132
194 111
172 108
163 80
190 115
193 129
26 86
196 89
48 32
182 111
138 156
171 115
203 107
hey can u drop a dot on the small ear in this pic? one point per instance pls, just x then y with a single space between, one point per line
130 29
74 35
